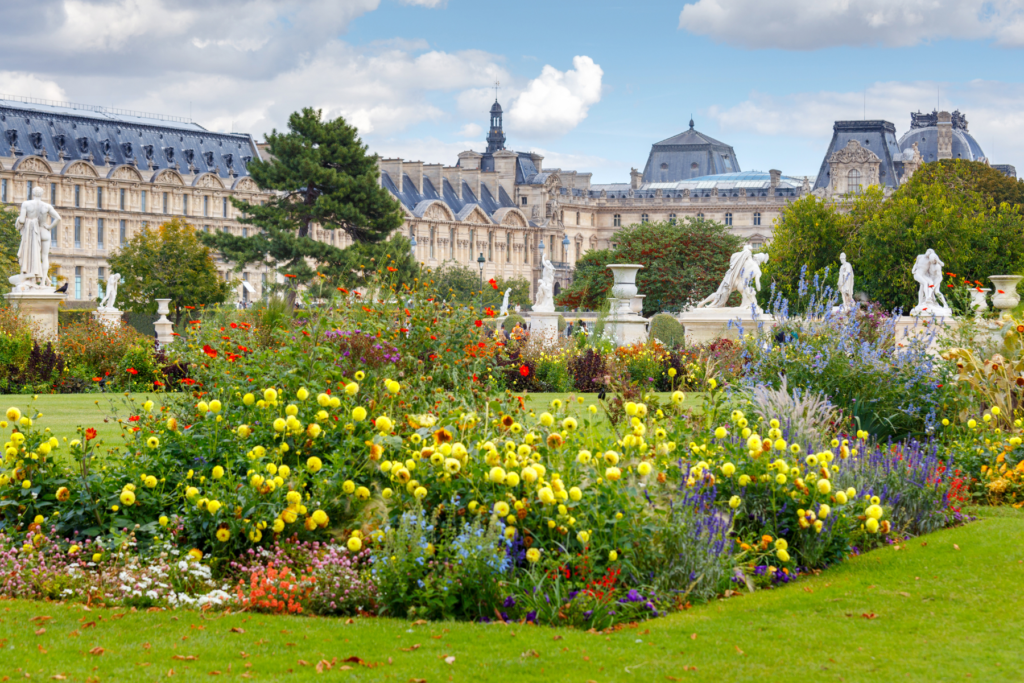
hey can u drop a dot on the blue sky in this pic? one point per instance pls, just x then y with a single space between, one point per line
590 85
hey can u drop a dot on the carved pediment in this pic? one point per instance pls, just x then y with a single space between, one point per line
208 180
127 173
32 165
853 153
476 216
437 212
82 168
168 176
510 216
246 184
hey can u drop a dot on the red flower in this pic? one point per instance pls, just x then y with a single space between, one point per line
524 371
132 371
190 308
1001 291
209 351
290 275
97 379
490 312
433 356
90 434
234 326
392 269
188 380
479 323
434 337
133 418
481 345
157 383
403 329
493 283
342 290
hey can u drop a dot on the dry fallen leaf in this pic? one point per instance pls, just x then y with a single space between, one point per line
738 650
184 658
556 638
170 672
59 677
417 680
237 630
303 662
419 622
41 618
449 660
215 673
97 651
693 636
40 631
42 649
956 547
89 624
869 615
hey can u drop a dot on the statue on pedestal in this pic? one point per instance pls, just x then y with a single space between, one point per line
743 276
109 300
927 271
545 301
504 304
34 251
846 284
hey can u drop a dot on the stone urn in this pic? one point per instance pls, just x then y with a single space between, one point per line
636 304
1005 297
164 327
978 302
624 288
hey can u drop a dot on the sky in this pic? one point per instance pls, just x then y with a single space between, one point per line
589 85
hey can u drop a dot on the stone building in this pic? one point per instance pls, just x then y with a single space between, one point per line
112 173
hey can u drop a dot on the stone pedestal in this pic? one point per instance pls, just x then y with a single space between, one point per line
164 327
703 325
40 308
544 325
625 329
909 328
109 317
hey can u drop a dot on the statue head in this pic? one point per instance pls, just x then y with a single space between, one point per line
37 193
842 257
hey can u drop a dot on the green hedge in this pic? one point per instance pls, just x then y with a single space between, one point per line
66 316
513 319
666 329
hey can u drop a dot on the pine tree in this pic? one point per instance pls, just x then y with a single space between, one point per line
322 176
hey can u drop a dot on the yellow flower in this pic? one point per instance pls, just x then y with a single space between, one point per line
202 407
278 526
150 482
313 464
127 498
780 479
996 411
63 494
728 469
96 557
269 395
223 535
383 424
782 555
631 409
243 431
569 424
355 544
349 486
152 442
533 555
743 480
420 493
871 525
721 433
644 469
212 506
823 511
289 516
824 486
496 475
163 520
546 495
392 386
501 508
547 419
73 550
218 472
360 375
613 556
583 537
874 512
363 493
320 517
255 535
280 425
13 414
248 399
215 406
972 423
735 502
613 474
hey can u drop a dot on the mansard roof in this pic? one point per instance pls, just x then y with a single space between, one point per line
877 136
690 154
411 196
113 138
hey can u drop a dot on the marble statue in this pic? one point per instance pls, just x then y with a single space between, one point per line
504 304
109 302
743 276
34 251
927 271
545 301
846 284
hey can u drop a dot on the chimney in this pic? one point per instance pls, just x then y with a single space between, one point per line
776 175
393 167
635 178
945 141
432 172
415 171
538 161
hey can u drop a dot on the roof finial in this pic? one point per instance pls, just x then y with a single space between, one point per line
496 84
691 121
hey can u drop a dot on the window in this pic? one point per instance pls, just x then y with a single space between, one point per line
472 243
561 216
78 281
53 236
123 229
432 241
591 219
167 201
224 202
451 243
577 218
756 244
700 216
578 246
28 190
99 233
523 200
508 247
671 219
3 190
245 290
78 235
643 218
245 233
206 228
145 225
263 284
184 205
142 199
101 277
124 194
853 181
53 193
617 220
728 219
78 196
490 246
99 197
206 205
757 218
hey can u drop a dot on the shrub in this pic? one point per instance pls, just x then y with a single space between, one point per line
587 370
95 350
666 329
806 417
513 319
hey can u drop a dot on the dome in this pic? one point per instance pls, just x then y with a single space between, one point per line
691 154
495 108
925 132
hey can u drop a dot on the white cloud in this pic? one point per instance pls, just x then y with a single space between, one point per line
110 26
556 102
815 24
426 3
28 85
994 111
470 131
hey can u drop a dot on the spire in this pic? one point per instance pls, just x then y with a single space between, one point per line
691 121
496 136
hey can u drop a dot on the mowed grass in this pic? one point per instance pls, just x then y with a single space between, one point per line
65 413
944 607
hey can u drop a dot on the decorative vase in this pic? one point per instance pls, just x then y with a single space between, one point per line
624 288
162 306
978 301
164 327
636 304
1006 296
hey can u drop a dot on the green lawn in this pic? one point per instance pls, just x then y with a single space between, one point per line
64 413
940 608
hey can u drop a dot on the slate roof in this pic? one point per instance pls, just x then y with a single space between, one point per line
877 136
417 202
927 139
756 183
123 138
690 154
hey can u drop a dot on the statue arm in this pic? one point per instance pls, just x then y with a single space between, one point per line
20 221
55 223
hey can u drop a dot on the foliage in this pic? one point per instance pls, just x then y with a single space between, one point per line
667 329
683 262
97 353
169 262
356 265
513 319
462 284
322 177
806 416
10 242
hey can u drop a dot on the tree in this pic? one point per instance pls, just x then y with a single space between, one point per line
167 263
10 241
950 206
359 262
323 177
683 262
457 283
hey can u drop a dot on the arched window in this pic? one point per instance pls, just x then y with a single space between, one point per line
432 235
490 246
853 181
508 247
617 220
728 219
643 218
451 244
561 216
578 247
591 219
472 243
671 219
577 218
757 218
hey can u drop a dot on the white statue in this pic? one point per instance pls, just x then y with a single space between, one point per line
927 271
504 304
545 301
846 284
743 276
34 252
109 300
